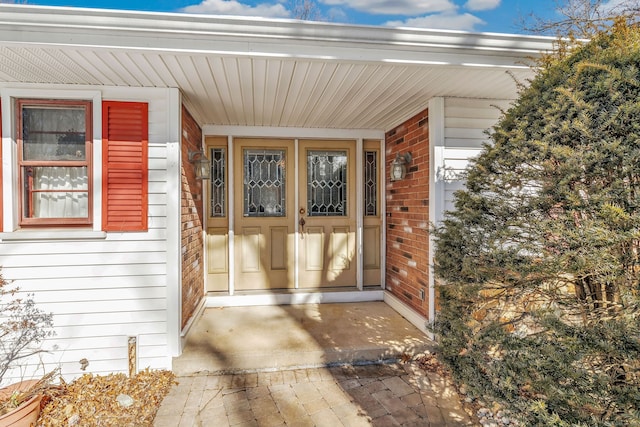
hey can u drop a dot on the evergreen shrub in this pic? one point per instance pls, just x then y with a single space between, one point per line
538 267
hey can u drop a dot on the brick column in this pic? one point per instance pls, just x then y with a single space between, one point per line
192 245
407 213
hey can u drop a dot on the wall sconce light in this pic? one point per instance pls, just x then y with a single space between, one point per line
398 166
201 164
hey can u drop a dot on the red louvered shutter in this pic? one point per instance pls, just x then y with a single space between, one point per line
124 166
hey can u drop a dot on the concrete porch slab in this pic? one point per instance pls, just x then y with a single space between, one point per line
263 338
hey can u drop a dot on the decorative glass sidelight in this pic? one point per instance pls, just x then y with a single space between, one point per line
327 183
370 183
264 183
218 182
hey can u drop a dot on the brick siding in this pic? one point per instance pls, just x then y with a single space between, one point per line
191 221
407 213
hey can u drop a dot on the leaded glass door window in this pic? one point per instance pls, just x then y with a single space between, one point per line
370 183
218 183
264 183
372 219
327 183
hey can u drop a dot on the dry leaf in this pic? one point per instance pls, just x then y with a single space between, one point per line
92 400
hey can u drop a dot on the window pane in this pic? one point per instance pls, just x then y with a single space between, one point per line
370 183
218 184
56 192
327 183
52 133
264 183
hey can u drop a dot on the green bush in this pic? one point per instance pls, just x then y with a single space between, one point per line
539 265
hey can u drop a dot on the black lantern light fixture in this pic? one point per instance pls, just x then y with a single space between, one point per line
201 164
399 166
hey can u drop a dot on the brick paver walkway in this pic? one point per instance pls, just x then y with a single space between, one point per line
373 395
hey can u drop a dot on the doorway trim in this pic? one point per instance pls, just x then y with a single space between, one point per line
358 136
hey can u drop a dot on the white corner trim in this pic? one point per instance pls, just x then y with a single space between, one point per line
414 318
173 280
436 186
7 180
360 215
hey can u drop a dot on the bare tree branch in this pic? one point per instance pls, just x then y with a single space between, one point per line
307 10
582 18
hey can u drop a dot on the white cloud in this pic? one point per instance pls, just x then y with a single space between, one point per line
336 14
482 4
442 21
395 7
611 6
233 7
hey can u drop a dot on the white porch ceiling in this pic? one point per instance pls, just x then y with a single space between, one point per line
254 72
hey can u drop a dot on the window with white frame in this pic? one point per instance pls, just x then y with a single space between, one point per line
54 160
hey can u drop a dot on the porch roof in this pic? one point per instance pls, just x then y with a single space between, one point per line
263 72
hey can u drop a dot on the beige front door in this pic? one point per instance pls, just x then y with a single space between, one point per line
264 214
327 214
294 219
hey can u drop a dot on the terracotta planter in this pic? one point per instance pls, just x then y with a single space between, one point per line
24 415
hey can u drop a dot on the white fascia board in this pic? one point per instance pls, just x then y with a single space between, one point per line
94 28
290 132
255 28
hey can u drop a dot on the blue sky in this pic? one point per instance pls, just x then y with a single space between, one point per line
468 15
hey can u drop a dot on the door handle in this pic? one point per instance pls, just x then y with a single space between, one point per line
302 222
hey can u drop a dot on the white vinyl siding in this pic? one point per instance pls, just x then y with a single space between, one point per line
465 123
456 134
105 289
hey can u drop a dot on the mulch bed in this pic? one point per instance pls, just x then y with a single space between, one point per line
110 400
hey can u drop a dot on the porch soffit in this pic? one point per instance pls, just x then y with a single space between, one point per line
258 72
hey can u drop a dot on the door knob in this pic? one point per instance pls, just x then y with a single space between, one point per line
302 222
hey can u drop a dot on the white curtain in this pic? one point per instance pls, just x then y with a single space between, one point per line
60 204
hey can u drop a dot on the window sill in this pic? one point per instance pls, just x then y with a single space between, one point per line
33 235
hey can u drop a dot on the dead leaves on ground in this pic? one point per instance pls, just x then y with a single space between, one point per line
429 362
93 400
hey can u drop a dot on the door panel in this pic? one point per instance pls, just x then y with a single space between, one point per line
217 260
341 248
250 260
327 211
371 247
217 221
279 248
263 214
372 221
313 248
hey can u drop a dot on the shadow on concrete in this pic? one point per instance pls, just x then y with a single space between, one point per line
247 339
312 364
